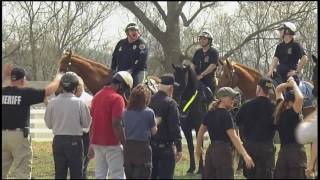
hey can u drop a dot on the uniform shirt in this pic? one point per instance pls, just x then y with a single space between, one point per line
286 126
137 124
202 60
106 105
16 104
218 122
67 115
257 120
288 55
169 128
130 55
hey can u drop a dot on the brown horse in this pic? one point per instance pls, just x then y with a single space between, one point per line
94 74
238 75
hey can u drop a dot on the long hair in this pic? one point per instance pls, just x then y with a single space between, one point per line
139 98
279 110
214 104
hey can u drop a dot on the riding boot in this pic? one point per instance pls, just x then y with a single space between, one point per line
208 95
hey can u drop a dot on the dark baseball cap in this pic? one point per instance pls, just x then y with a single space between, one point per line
168 79
226 91
266 84
17 73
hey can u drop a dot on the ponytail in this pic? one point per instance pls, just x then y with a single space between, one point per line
214 105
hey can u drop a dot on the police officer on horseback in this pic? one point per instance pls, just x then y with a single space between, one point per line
131 54
288 53
205 61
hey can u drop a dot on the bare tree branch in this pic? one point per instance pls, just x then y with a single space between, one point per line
186 22
152 28
160 10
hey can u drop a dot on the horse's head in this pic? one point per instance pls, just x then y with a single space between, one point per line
228 77
181 77
65 62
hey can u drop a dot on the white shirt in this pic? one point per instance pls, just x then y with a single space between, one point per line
86 98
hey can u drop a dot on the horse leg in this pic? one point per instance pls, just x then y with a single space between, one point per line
188 135
200 167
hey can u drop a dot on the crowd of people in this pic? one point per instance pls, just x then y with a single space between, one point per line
141 137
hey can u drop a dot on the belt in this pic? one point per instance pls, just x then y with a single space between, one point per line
15 129
161 144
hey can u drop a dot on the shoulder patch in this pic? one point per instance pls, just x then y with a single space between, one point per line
142 46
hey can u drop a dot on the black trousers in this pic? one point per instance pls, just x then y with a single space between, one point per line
263 155
163 161
86 141
67 154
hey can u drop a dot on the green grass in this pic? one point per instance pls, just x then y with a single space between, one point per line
43 165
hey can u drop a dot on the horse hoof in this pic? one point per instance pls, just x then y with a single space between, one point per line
190 171
199 171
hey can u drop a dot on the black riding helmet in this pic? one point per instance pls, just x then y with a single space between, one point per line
69 81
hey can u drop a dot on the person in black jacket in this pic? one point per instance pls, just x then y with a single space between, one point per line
255 116
131 54
164 155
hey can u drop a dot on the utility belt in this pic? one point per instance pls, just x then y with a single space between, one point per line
161 144
25 130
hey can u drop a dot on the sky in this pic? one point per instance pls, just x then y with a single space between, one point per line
118 21
113 27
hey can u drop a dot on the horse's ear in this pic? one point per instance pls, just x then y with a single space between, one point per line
315 59
67 52
174 67
220 62
228 63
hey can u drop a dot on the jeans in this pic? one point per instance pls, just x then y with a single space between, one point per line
67 153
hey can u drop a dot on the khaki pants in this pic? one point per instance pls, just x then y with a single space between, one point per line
17 149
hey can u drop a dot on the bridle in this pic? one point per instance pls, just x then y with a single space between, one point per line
231 78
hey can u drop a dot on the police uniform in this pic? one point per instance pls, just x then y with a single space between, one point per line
255 116
202 60
16 146
288 55
131 55
168 134
220 153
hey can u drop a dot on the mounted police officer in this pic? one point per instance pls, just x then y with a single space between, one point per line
288 53
205 61
131 54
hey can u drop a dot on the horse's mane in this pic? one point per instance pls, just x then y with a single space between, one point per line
193 76
249 70
80 58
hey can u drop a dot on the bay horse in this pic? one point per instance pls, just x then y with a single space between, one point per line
190 98
95 75
239 75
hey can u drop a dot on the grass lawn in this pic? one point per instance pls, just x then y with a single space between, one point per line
43 165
